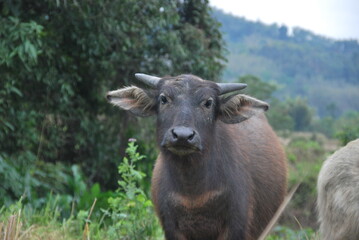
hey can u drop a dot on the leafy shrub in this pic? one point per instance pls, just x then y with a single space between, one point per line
129 213
77 196
347 128
347 134
34 182
131 210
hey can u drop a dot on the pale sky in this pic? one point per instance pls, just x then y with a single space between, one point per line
337 19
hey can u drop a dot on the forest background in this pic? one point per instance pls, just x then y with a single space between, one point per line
66 165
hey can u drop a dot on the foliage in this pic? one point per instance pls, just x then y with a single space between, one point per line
18 221
279 117
291 114
202 41
129 214
258 88
57 60
301 113
348 134
305 157
77 195
325 125
131 210
347 127
282 232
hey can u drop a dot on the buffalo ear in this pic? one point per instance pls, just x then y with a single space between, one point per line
237 108
133 99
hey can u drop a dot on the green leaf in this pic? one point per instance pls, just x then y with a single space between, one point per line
15 90
9 125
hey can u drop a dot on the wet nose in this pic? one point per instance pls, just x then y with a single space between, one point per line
183 134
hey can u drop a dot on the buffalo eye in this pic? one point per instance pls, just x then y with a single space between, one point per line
208 103
163 99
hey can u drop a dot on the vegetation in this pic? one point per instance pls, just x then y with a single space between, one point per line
305 157
281 232
61 143
57 61
129 213
131 210
322 70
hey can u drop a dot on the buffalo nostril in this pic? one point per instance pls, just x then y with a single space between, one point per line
174 134
183 134
191 136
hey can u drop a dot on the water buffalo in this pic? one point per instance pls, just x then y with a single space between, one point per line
338 194
221 172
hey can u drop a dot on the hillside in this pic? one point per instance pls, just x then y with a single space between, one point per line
301 63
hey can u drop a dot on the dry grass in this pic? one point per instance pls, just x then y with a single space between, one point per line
14 229
10 230
86 232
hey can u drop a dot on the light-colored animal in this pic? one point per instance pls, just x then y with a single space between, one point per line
221 172
338 194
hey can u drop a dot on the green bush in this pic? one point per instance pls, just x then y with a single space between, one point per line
128 214
347 128
131 210
347 134
58 59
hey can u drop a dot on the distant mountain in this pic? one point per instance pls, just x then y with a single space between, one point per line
323 70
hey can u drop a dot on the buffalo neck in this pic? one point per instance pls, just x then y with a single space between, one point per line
191 174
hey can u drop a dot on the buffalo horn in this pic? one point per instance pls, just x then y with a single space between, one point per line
230 87
151 81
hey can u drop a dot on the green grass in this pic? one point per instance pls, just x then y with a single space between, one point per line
286 233
130 213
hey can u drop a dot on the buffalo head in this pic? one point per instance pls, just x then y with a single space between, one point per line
187 108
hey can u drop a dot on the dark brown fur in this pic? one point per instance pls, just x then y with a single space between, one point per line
258 171
231 186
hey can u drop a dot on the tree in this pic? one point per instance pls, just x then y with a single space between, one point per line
301 113
278 113
258 88
201 39
58 59
283 32
279 117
